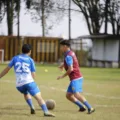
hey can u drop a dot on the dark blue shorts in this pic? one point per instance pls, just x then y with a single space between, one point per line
31 88
75 86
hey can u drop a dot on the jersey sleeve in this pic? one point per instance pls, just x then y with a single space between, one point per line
33 66
11 63
69 60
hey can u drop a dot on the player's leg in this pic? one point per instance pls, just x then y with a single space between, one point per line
77 89
42 104
35 92
27 97
70 96
81 98
84 101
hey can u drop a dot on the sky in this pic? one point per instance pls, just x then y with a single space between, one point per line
29 28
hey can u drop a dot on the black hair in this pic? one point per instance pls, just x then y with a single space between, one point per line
26 48
65 42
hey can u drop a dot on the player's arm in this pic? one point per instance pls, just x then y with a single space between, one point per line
33 69
5 71
33 75
61 66
69 61
70 69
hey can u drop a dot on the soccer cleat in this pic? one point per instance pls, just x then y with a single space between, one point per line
82 109
48 114
91 110
32 111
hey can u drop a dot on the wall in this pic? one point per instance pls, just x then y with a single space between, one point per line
105 50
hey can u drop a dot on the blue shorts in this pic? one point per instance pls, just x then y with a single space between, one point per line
31 88
75 86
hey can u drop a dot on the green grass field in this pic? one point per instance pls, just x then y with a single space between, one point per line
101 87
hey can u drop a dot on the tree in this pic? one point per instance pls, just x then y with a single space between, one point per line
107 3
2 10
92 11
114 16
12 9
97 12
6 6
48 12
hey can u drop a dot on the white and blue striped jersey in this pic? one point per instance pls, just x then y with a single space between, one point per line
23 67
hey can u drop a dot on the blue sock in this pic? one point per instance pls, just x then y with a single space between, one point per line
78 104
44 108
29 101
87 105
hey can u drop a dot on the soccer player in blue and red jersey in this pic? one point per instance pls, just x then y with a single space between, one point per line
24 69
76 79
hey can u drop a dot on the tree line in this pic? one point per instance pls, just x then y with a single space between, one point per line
97 13
46 11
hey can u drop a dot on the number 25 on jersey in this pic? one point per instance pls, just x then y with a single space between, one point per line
22 67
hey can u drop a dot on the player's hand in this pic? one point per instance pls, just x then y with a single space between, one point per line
59 77
61 68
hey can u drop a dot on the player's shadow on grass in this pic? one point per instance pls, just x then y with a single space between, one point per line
66 111
13 108
8 113
13 111
4 113
19 109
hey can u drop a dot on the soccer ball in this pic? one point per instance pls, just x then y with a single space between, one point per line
50 104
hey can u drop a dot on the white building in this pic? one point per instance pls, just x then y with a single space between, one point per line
105 51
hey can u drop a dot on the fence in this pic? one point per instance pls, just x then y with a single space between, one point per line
43 49
81 50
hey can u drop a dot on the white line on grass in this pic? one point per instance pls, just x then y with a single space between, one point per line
25 104
63 90
88 94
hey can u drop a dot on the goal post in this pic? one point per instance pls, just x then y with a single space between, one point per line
1 55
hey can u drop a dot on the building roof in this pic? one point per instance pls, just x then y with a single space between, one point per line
100 36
